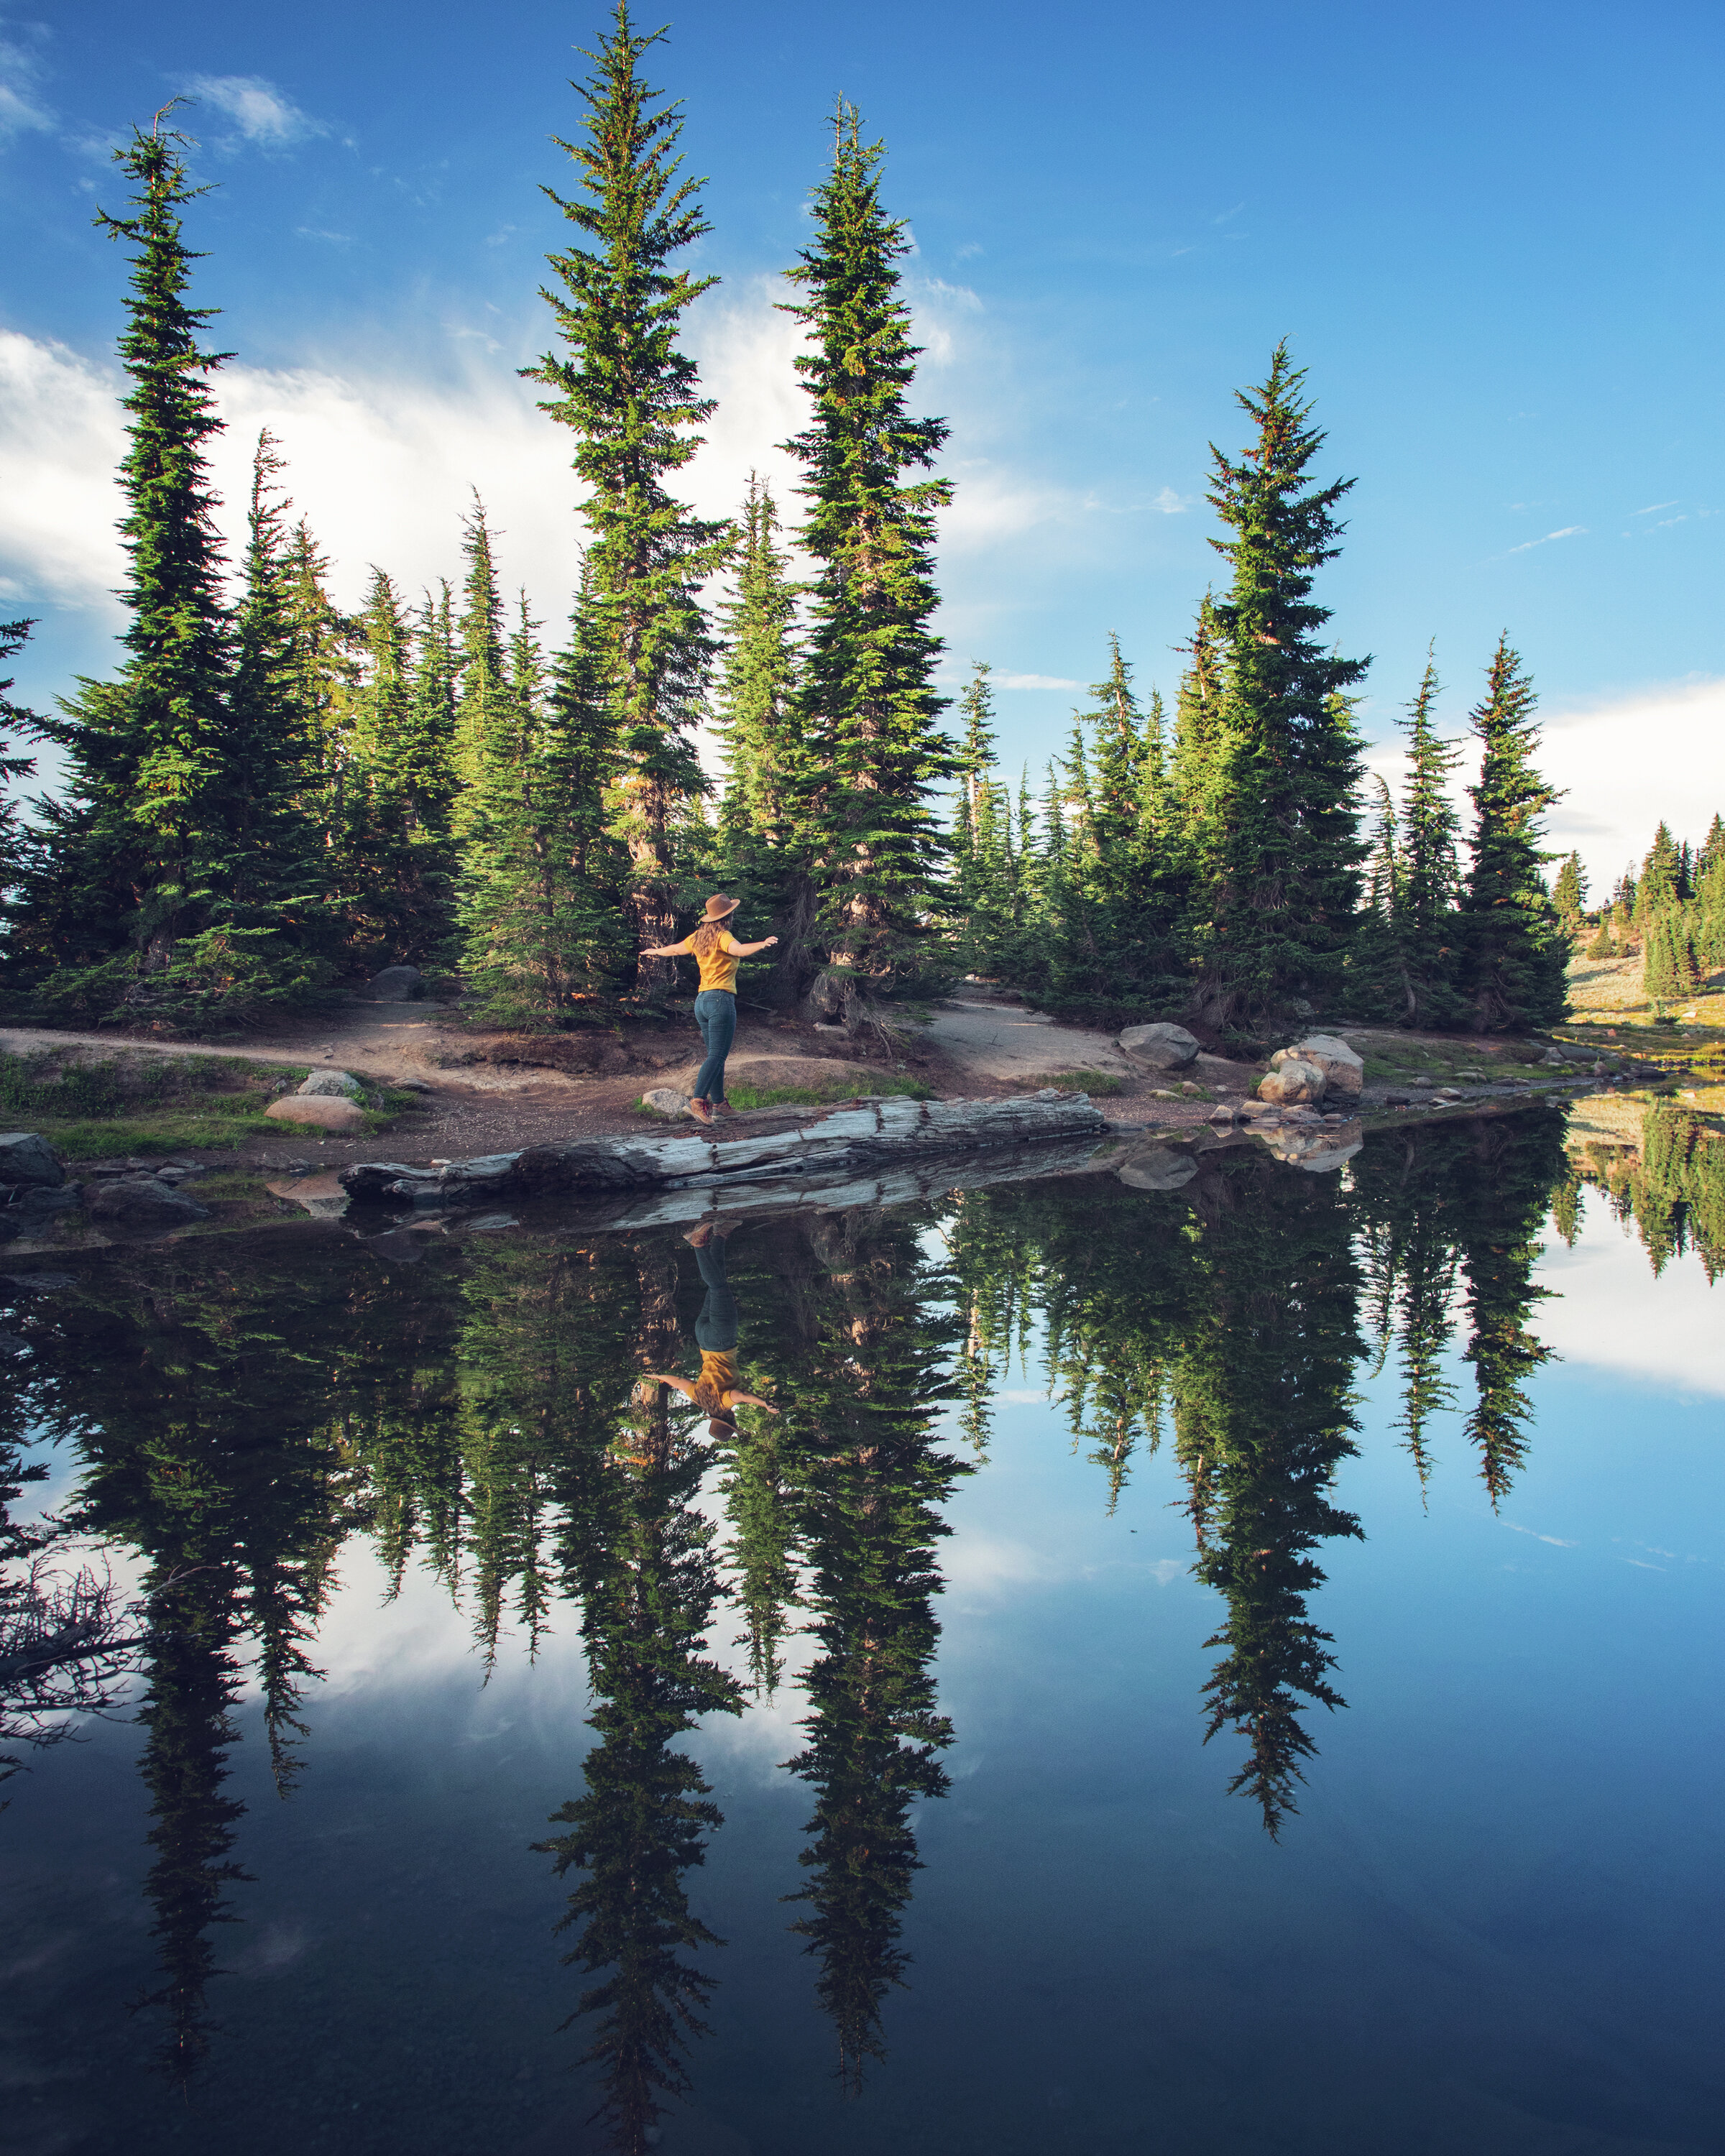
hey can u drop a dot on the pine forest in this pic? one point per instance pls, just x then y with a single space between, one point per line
272 798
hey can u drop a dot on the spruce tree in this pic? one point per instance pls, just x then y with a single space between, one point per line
172 880
1275 922
868 707
545 936
762 857
1513 950
633 400
983 874
757 681
402 791
1569 893
1429 889
14 720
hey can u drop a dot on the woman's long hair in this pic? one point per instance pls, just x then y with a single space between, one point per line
704 940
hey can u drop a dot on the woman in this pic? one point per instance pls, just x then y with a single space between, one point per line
715 1391
716 951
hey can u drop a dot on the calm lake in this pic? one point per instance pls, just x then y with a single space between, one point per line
1215 1670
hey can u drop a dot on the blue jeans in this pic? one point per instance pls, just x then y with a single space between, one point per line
716 1328
715 1014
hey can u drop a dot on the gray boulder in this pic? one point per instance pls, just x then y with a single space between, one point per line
1154 1168
333 1081
1159 1047
1344 1071
666 1101
140 1201
27 1158
397 984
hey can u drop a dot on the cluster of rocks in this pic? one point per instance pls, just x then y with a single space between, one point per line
138 1194
328 1101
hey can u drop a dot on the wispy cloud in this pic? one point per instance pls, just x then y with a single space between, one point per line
263 115
1568 531
1170 503
1650 508
317 232
1033 681
22 110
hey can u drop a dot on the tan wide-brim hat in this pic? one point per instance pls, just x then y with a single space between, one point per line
718 907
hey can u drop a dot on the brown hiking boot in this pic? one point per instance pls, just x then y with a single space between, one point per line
723 1108
701 1111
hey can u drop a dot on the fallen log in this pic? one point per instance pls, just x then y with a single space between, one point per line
855 1139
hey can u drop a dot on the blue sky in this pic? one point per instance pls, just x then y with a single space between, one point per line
1491 234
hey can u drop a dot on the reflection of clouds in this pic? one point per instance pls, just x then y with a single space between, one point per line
1614 1315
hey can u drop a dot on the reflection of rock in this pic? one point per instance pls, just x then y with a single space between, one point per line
1160 1047
322 1195
319 1111
397 984
1319 1152
341 1083
141 1202
1155 1168
1291 1081
1343 1070
27 1158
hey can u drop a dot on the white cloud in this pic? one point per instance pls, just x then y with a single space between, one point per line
22 110
1032 681
61 435
257 108
1624 763
1171 504
1610 1313
1568 531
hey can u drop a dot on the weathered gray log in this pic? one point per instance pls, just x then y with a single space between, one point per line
873 1134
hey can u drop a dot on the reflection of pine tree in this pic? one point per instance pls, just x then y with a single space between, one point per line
759 1502
1675 1194
202 1401
1505 1199
860 1397
1267 1362
641 1558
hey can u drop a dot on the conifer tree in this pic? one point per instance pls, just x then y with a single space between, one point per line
1426 932
169 879
1275 922
1513 952
541 904
1569 893
982 870
1662 873
399 828
489 718
868 708
757 681
633 400
13 720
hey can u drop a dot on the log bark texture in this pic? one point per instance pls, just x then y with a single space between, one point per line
872 1135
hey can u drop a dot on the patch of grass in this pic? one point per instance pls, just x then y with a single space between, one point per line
893 1083
1100 1085
148 1105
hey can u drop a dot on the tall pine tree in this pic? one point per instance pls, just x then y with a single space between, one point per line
1513 949
869 710
1273 926
633 401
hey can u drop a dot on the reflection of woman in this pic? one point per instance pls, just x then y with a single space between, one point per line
716 951
714 1391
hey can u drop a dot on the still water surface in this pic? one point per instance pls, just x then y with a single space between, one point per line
1222 1670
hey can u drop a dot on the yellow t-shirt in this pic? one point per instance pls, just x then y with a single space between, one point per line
718 1376
718 969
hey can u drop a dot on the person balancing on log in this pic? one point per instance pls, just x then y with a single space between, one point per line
716 951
